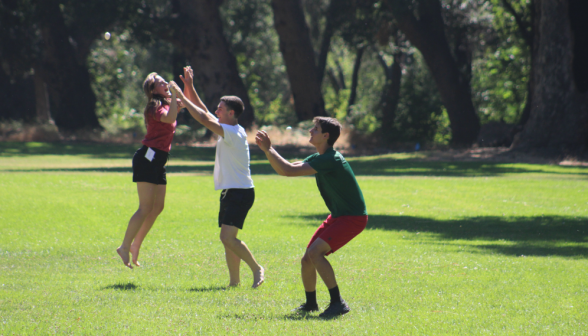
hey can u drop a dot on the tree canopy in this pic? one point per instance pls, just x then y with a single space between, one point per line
396 71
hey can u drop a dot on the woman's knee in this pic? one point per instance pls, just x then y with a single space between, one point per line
157 209
228 235
145 210
225 238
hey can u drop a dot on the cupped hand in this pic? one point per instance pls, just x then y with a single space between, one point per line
174 88
263 140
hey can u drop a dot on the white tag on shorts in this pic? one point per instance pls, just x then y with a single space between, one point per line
150 154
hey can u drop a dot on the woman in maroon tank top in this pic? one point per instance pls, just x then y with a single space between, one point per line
149 164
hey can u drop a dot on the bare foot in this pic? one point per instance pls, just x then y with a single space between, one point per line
135 254
258 277
124 254
231 285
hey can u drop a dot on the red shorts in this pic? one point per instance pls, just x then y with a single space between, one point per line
339 231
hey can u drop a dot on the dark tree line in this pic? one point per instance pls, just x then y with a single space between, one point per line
45 45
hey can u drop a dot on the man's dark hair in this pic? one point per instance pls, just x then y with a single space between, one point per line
234 103
331 126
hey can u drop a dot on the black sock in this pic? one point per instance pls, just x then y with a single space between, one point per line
311 299
335 295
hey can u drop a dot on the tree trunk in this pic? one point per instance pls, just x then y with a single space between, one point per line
427 34
41 99
326 40
463 56
333 79
68 81
15 96
526 30
391 90
298 55
215 67
355 77
559 115
528 103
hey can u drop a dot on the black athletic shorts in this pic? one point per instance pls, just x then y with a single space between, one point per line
234 206
150 171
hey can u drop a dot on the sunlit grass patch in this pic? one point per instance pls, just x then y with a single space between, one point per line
478 249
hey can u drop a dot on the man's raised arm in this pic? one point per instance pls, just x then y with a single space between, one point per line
189 90
281 165
201 115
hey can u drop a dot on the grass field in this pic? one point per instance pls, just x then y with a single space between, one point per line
450 248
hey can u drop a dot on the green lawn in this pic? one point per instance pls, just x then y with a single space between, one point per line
451 248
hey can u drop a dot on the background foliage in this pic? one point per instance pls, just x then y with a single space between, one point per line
497 65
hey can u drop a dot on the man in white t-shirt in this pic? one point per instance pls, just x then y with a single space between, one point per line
231 173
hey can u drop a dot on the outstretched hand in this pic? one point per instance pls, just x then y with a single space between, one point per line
263 141
188 77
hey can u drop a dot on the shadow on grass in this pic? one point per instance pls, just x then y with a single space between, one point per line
370 166
207 289
362 168
255 317
122 286
112 151
97 150
407 167
529 236
195 169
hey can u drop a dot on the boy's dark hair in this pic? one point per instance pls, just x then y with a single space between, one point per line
331 126
234 103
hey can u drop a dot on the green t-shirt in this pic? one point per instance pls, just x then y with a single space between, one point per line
337 184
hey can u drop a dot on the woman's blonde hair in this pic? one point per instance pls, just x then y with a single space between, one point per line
154 101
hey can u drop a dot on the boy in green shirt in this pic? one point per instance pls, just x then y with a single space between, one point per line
343 197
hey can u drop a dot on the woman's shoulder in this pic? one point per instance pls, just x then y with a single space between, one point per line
161 108
154 113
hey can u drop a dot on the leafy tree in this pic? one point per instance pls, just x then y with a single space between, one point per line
19 53
501 86
298 54
119 65
422 23
419 115
195 28
54 40
63 65
559 116
248 25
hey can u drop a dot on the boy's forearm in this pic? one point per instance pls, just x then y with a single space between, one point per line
277 162
195 111
188 91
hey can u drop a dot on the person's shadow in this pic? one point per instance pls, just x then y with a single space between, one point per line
121 286
529 236
208 289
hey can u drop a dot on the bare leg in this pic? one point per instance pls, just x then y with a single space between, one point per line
158 205
233 262
146 197
308 274
229 238
317 252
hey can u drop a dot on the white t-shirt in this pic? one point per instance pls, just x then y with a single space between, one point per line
231 164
